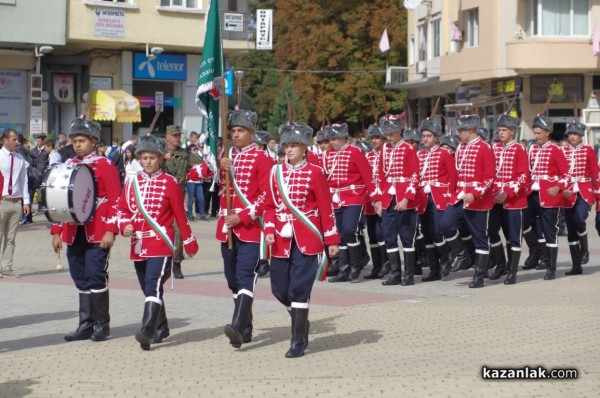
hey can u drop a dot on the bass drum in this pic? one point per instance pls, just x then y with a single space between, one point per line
69 193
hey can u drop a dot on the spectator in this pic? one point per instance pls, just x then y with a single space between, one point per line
132 164
101 149
113 149
53 155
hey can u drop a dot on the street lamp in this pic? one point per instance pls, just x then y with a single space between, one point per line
39 53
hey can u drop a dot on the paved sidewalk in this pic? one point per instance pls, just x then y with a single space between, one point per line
366 340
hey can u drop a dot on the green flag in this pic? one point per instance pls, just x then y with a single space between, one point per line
211 67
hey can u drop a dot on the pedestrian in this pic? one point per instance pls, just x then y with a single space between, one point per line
88 245
350 184
579 196
473 198
149 203
195 193
299 224
510 192
132 164
178 162
437 182
53 155
549 176
249 175
398 179
15 200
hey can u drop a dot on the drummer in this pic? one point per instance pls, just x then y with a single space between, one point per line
88 244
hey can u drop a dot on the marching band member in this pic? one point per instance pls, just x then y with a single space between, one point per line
381 265
88 245
549 175
249 171
437 183
299 221
398 179
579 195
472 200
510 197
349 179
148 205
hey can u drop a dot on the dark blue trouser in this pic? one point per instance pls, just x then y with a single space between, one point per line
403 223
152 273
292 278
476 221
240 263
88 263
195 194
575 218
430 223
548 218
375 231
511 223
347 220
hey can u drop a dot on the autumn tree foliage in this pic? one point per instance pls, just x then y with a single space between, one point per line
328 51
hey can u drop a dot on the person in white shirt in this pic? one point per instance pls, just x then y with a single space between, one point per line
15 199
132 164
53 155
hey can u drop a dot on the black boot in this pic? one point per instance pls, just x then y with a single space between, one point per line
434 265
480 270
377 264
364 254
86 321
162 326
299 333
152 311
583 244
471 252
534 249
421 255
575 259
544 257
385 269
444 256
247 335
497 257
343 274
552 257
355 253
463 259
101 316
410 260
395 277
263 268
334 266
235 330
177 274
513 267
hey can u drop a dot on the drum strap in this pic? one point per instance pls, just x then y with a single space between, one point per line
153 223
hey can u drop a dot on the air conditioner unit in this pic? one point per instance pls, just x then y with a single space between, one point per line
422 67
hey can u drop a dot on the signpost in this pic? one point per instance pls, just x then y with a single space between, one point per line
233 22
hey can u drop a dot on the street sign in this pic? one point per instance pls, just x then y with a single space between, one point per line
159 100
264 29
233 22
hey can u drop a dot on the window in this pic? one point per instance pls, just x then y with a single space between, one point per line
180 3
422 42
117 1
435 28
559 18
473 27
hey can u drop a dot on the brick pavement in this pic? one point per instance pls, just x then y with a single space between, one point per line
366 340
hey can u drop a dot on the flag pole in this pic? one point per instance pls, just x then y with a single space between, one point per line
225 155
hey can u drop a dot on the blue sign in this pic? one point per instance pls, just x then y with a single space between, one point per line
162 67
229 82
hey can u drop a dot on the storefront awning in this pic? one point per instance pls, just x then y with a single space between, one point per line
114 105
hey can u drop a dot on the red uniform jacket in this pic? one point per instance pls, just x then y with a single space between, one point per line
583 174
251 169
475 165
549 168
306 188
199 172
373 159
512 174
438 172
348 176
108 188
163 201
398 174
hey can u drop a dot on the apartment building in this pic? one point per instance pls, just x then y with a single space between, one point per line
148 49
494 56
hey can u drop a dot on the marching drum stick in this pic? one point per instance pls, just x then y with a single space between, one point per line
59 266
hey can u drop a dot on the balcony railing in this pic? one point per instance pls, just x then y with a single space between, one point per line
395 75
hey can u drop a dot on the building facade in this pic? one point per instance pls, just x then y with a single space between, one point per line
494 56
147 48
